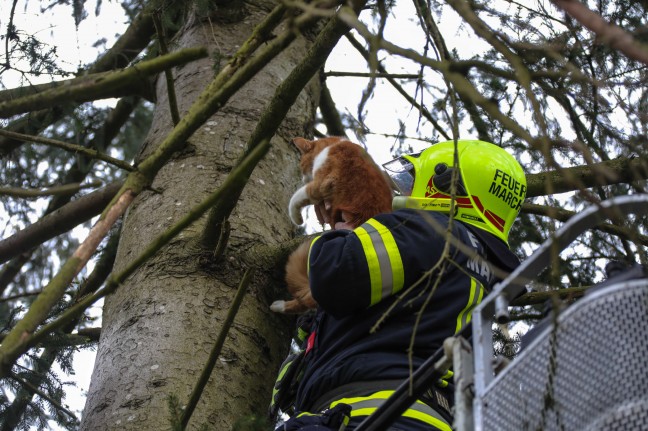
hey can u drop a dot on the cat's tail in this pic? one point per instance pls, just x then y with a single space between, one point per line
298 201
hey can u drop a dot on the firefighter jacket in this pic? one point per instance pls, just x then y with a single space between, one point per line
392 285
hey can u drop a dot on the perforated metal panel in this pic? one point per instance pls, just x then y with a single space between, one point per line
587 372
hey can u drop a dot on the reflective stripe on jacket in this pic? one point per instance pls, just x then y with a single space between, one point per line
365 406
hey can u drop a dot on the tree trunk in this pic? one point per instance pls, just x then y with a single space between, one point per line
159 327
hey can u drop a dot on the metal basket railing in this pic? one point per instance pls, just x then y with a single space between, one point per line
587 369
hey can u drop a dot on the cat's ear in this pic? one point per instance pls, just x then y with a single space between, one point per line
303 145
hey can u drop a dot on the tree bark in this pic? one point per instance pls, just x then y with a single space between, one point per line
159 327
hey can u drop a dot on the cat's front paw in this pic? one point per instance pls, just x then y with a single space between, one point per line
278 306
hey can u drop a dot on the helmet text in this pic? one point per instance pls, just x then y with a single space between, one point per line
507 188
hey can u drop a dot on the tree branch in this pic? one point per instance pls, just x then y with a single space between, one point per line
84 81
135 39
564 215
44 396
609 34
10 29
82 337
534 298
617 171
330 114
173 103
18 296
58 222
113 84
11 269
66 189
94 154
375 75
272 256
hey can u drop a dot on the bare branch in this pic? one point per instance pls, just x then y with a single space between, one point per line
82 337
534 298
564 215
114 84
18 296
617 171
608 34
330 114
94 154
136 38
85 80
9 36
58 222
66 189
173 103
44 396
375 75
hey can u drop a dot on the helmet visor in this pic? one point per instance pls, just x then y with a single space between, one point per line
401 172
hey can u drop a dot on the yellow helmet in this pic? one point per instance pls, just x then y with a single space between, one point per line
489 188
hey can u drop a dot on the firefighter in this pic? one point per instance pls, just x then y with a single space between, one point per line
392 290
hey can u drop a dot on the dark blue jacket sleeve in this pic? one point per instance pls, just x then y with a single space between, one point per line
403 246
339 275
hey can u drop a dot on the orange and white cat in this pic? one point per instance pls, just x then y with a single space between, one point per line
347 187
344 178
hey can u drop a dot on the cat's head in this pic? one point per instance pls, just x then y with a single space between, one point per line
310 149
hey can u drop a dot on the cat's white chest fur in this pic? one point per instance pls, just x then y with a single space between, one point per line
300 198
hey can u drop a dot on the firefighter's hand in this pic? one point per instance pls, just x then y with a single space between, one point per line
323 213
344 223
